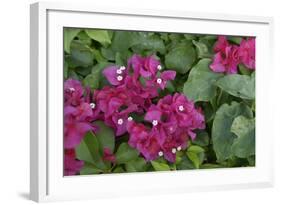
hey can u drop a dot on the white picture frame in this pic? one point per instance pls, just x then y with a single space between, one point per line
47 182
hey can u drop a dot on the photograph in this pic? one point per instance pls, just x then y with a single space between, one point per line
145 101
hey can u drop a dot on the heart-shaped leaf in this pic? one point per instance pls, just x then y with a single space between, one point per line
242 86
200 85
221 132
244 145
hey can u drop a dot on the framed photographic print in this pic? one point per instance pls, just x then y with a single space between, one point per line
127 102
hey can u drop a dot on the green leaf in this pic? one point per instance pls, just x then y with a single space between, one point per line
185 163
81 55
181 58
122 41
108 53
202 138
142 41
223 97
89 168
91 80
194 158
200 85
189 36
99 67
83 71
244 145
137 165
235 39
98 56
68 35
244 70
209 111
89 151
118 59
221 134
202 49
210 166
118 169
125 153
176 37
105 136
170 87
212 38
164 36
73 75
159 166
84 38
252 160
196 155
178 157
201 157
241 86
195 149
65 69
100 36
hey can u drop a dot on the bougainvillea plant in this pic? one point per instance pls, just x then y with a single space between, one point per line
147 101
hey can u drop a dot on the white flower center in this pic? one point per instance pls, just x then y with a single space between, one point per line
174 150
154 122
181 108
159 67
71 89
179 148
119 71
122 68
160 154
120 121
159 80
93 105
119 77
130 118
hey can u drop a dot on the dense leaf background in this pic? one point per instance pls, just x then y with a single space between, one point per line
228 101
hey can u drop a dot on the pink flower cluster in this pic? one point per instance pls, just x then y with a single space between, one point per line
228 56
133 90
78 115
172 122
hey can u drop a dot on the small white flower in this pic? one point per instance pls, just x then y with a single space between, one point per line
93 105
154 122
159 67
122 68
159 80
130 118
181 108
174 150
179 148
120 121
119 71
160 154
71 89
119 77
